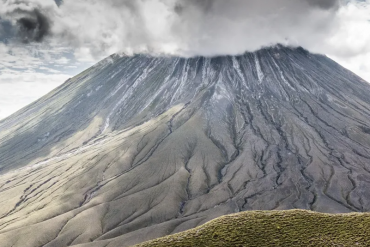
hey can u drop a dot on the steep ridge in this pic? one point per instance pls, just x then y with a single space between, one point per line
140 147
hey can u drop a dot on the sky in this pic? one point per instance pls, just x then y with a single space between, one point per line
45 42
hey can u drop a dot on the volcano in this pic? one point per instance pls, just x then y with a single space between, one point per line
139 147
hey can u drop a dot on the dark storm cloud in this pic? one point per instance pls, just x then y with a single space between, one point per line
30 21
33 26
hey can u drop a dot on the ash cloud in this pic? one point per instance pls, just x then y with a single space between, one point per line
179 27
231 27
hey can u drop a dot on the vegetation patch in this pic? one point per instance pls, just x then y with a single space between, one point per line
275 228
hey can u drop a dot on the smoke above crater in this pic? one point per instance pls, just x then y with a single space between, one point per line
179 27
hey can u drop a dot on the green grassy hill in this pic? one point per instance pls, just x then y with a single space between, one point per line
275 228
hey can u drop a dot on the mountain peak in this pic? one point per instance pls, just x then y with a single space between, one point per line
140 147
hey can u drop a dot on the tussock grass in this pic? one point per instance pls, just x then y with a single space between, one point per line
275 228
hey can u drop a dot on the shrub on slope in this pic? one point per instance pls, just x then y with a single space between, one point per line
275 228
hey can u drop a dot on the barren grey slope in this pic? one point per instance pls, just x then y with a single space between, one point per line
140 147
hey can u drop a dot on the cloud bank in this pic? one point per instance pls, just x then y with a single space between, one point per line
93 29
181 27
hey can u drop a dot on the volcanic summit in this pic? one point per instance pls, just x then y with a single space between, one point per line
139 147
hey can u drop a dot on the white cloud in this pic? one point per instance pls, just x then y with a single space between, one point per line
181 27
62 60
95 29
20 89
27 72
350 44
190 27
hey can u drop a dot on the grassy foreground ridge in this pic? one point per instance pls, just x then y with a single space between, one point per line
275 228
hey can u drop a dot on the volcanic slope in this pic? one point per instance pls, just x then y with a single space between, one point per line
140 147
